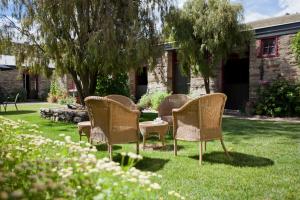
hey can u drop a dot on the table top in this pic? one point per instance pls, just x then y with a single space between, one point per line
153 124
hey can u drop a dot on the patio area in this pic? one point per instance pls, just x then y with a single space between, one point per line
264 165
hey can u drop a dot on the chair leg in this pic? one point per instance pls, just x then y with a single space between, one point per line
200 153
16 107
205 146
224 148
5 107
137 147
175 147
144 141
110 151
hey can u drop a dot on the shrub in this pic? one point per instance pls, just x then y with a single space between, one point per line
280 98
152 100
145 101
66 100
116 84
157 98
35 167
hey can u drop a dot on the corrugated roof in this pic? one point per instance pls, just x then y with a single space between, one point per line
275 21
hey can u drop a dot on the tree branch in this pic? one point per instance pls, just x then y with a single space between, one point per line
24 32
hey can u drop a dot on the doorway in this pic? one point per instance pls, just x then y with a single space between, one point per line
180 82
236 81
141 82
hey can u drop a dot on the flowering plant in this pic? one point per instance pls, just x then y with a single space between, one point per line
35 167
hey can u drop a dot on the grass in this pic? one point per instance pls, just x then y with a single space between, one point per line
265 160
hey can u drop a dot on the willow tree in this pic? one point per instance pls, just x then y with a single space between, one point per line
205 32
84 38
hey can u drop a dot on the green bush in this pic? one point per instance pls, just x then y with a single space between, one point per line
66 100
56 92
152 100
116 84
145 101
278 99
36 167
157 98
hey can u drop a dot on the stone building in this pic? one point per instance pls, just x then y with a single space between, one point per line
13 80
268 56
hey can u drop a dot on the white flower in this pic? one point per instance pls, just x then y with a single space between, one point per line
155 186
61 135
68 139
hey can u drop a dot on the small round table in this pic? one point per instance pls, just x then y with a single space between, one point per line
149 127
84 129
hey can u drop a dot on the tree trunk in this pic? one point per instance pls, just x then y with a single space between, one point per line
206 84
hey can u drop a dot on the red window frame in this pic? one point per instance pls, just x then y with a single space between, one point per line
261 48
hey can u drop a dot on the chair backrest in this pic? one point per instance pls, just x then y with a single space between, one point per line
16 98
105 115
99 114
211 108
171 102
123 100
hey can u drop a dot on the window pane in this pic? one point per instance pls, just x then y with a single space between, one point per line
269 46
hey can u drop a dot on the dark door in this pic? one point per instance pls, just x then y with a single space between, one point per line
26 84
236 82
181 81
142 82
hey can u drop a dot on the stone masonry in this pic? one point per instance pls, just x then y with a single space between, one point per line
12 81
283 65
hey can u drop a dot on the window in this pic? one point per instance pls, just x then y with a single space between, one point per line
268 47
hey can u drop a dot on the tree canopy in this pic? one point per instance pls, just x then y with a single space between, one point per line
205 32
85 38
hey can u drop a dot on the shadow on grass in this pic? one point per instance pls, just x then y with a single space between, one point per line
20 112
104 147
146 164
236 159
159 147
151 164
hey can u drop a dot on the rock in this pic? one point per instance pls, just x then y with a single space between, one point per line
77 119
64 114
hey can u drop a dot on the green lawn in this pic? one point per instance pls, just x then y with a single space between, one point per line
265 158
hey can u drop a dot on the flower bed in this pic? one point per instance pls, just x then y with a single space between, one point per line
35 167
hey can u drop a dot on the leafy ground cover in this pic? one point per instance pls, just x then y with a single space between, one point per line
265 160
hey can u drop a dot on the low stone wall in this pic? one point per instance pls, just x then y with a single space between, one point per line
64 114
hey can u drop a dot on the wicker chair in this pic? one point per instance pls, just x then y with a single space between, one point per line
168 104
112 122
123 100
200 120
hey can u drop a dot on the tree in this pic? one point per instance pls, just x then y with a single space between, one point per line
296 46
205 32
85 38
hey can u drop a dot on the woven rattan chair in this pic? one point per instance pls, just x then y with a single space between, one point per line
200 120
112 122
168 104
123 100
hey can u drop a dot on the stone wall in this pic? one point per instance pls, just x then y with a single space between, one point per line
158 78
161 77
197 87
44 87
283 65
11 80
64 114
